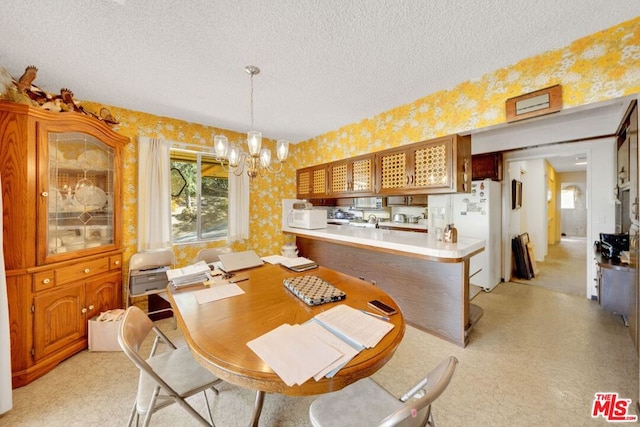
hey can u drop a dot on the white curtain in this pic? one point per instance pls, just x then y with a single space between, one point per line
6 398
238 207
154 194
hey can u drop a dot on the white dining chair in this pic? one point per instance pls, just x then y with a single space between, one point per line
366 403
166 377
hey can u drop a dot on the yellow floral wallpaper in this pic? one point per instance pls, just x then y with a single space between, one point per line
599 67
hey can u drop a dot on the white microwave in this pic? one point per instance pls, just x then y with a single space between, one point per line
307 218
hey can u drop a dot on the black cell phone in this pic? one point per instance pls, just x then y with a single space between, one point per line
379 305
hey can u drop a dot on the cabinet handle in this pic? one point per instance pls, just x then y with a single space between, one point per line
84 310
46 281
91 307
117 262
45 194
86 270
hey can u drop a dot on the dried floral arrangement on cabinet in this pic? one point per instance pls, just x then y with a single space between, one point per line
24 91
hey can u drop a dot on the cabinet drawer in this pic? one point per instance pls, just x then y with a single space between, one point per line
115 262
43 281
82 270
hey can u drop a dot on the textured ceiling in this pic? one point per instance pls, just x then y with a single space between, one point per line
325 63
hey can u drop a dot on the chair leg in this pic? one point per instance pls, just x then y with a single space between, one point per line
193 412
206 400
133 414
430 421
150 408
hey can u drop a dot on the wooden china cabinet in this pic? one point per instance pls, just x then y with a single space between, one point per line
62 231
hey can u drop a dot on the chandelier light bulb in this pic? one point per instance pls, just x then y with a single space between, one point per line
282 149
265 158
234 156
254 141
221 145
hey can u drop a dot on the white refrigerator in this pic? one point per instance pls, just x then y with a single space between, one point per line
477 214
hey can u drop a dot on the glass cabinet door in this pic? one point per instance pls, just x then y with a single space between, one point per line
80 201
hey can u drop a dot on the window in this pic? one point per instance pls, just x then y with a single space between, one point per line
568 198
199 197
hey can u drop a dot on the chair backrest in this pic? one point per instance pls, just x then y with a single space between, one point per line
210 255
151 259
135 327
415 412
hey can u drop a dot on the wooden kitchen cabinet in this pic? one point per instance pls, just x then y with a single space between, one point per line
353 176
312 182
486 166
441 165
414 200
62 234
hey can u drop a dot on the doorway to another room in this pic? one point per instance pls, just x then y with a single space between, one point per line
554 215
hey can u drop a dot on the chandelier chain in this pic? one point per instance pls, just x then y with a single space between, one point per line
251 104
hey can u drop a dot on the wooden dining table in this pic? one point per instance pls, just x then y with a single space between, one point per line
218 331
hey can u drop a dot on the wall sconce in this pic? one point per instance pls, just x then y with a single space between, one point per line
622 175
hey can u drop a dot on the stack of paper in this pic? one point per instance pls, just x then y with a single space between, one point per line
318 348
299 264
353 325
296 264
195 273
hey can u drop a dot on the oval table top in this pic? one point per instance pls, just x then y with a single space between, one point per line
218 331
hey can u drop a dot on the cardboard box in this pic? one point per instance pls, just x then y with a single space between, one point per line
103 334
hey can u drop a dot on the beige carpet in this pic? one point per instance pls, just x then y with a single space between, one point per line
564 268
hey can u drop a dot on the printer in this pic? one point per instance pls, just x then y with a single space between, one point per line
148 280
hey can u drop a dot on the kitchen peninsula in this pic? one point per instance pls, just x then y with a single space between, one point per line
428 279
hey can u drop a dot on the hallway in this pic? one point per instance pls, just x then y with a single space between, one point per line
564 268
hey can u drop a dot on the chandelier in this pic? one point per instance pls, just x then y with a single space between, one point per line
258 159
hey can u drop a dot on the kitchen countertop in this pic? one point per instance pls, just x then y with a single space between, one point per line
412 243
402 225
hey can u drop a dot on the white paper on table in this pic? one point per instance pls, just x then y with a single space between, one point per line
274 259
292 354
348 352
295 262
355 325
215 293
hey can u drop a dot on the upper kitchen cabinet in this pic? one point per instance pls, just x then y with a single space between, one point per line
486 166
312 182
353 176
441 165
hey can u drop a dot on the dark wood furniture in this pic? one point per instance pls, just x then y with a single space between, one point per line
61 194
439 165
414 200
486 166
218 332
